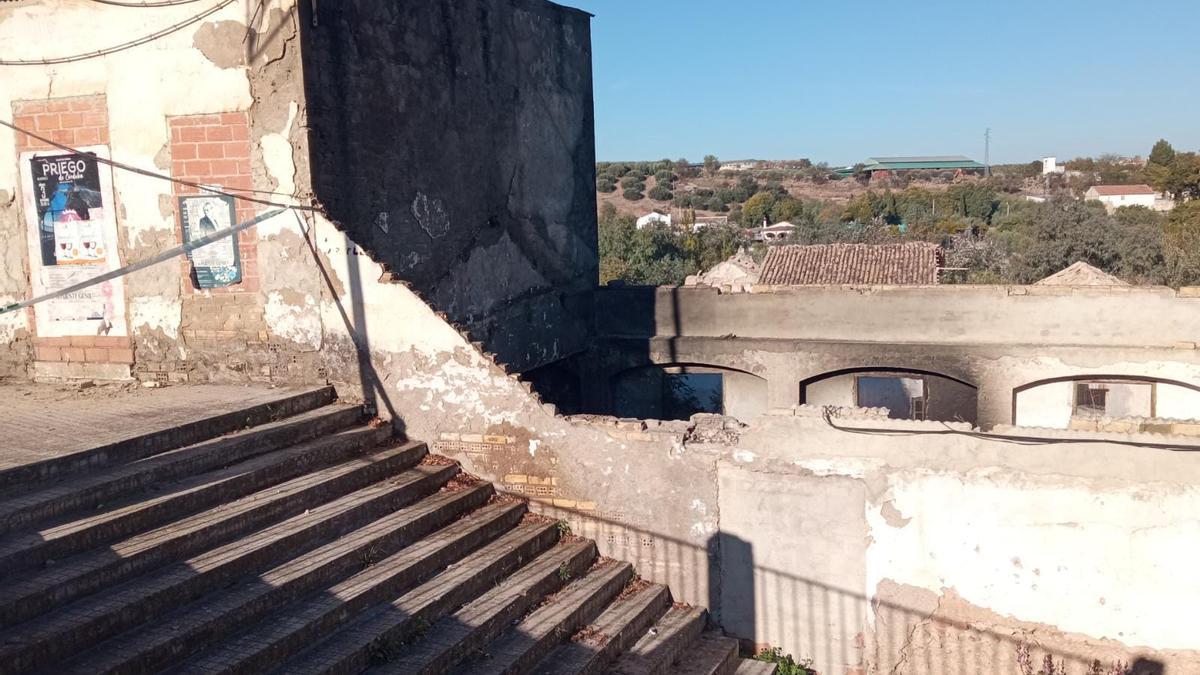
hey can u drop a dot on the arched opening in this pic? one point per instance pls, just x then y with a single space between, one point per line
1096 402
678 391
906 393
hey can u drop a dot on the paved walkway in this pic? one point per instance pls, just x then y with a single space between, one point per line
43 421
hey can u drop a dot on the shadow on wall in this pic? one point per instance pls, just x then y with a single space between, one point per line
764 607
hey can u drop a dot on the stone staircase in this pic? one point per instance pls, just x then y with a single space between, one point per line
299 537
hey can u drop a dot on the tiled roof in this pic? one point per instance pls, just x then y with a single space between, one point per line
1115 190
1081 274
912 263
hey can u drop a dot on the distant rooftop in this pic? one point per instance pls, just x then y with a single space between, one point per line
929 158
1081 274
1117 190
928 163
911 263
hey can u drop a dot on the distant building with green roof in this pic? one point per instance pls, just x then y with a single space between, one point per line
883 166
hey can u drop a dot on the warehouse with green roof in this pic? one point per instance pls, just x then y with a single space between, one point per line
883 166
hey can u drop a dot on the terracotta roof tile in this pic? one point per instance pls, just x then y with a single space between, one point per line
912 263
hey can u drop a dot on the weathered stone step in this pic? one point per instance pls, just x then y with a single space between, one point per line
102 615
303 623
27 476
453 638
593 649
220 614
90 571
711 654
546 627
20 550
655 651
751 667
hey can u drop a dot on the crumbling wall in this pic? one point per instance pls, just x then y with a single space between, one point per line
217 103
454 141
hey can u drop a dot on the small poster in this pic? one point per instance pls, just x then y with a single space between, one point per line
217 264
72 225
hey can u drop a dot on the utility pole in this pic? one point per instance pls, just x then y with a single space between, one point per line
987 151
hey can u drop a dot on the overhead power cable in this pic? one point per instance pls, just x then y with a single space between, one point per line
151 174
156 3
143 264
123 46
827 415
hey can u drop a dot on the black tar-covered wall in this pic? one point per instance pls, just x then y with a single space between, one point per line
454 140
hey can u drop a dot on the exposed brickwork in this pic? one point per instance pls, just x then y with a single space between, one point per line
75 121
214 149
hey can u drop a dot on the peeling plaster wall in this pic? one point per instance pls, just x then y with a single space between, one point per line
455 143
944 552
216 65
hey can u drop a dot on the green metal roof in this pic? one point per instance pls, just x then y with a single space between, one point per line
915 163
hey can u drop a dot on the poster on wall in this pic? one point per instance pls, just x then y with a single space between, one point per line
217 264
72 228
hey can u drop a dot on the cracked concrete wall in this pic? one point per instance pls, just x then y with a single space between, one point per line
454 140
942 553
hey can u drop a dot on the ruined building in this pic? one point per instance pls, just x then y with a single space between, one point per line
418 179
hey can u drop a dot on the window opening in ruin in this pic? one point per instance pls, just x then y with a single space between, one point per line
904 397
1114 399
685 394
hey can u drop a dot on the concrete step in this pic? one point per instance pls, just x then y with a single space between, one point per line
90 490
751 667
21 478
170 501
710 654
546 627
593 648
655 651
382 633
37 591
475 625
101 615
220 614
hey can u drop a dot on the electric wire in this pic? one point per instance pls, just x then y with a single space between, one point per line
151 174
123 46
1010 439
153 3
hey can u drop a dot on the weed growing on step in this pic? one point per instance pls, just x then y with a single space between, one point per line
564 528
785 663
564 572
1050 667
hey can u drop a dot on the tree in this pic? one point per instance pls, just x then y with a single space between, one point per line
633 183
633 194
757 208
1061 232
711 165
1181 244
1162 153
1183 178
605 184
661 193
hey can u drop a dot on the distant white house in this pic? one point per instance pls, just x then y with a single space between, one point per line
1116 196
1050 166
654 218
776 232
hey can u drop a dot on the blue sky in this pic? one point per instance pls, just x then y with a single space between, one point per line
839 81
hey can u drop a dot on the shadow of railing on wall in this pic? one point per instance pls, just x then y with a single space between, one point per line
842 630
